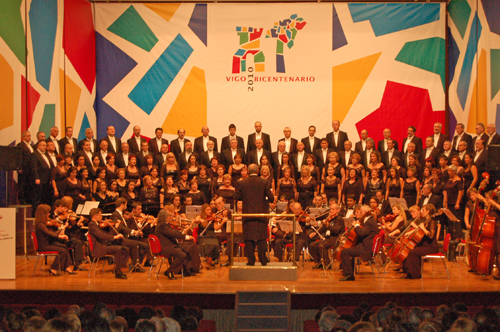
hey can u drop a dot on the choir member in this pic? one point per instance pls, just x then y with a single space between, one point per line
58 175
373 184
197 196
286 185
265 173
411 187
204 182
306 187
394 185
353 186
170 168
132 171
452 199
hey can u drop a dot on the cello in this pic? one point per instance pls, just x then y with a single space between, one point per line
349 238
485 242
473 235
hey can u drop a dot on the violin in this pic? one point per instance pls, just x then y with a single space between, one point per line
107 222
302 217
53 222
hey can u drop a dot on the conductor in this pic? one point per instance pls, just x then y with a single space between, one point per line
254 191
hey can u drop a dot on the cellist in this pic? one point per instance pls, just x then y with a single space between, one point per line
366 228
496 237
428 244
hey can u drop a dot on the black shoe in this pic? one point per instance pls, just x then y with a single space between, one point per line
318 266
120 276
263 263
397 269
250 264
57 274
227 263
147 264
347 278
496 277
407 277
216 261
110 260
170 275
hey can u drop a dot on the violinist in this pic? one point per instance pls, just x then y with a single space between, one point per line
72 228
365 228
469 207
238 237
138 221
207 238
170 246
428 244
123 227
50 240
300 238
331 227
396 226
107 243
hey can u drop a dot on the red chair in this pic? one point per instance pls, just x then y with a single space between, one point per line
438 255
155 247
376 247
95 260
42 254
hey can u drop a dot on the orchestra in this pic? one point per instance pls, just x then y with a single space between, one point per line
137 180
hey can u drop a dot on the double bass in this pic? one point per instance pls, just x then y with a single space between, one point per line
478 214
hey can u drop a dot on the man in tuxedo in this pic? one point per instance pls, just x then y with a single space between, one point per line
114 143
54 132
411 138
382 144
162 156
290 143
124 229
206 156
253 157
337 137
383 204
51 153
447 151
135 142
410 152
252 139
365 155
428 197
40 136
86 153
480 134
346 154
68 150
321 154
462 150
311 142
299 159
429 152
68 139
89 137
103 152
141 155
229 153
177 145
439 138
461 136
360 146
255 194
389 153
201 143
366 229
480 156
121 158
184 156
493 138
226 141
156 144
277 156
40 169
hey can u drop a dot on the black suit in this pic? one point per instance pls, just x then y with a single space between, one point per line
365 157
252 156
364 247
293 145
153 146
342 137
141 159
266 139
104 244
132 144
318 155
159 160
418 144
452 153
175 148
358 147
24 178
343 157
434 155
465 137
386 207
205 159
434 200
481 161
226 143
96 145
308 148
102 160
183 159
227 156
440 142
110 146
256 195
120 160
198 144
295 162
57 145
170 247
66 140
88 162
387 161
40 171
484 137
495 140
381 145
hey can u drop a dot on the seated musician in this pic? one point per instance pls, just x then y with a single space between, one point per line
207 238
398 233
428 245
300 237
238 236
51 239
347 210
170 246
107 242
394 225
383 204
318 202
331 227
221 210
72 228
276 231
123 227
138 221
494 212
366 228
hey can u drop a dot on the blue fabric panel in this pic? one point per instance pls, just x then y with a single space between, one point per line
338 35
198 22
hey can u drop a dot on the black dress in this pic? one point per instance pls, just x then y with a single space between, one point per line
371 189
286 189
453 189
306 192
235 175
198 198
48 240
58 177
356 188
394 189
228 195
72 190
331 188
192 173
410 192
204 186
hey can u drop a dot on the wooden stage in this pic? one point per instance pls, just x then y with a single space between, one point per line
212 289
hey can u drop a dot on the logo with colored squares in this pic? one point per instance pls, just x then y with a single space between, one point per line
283 31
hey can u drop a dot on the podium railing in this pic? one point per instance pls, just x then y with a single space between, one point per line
262 215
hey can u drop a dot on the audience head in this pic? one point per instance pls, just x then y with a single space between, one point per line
327 320
34 324
145 325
